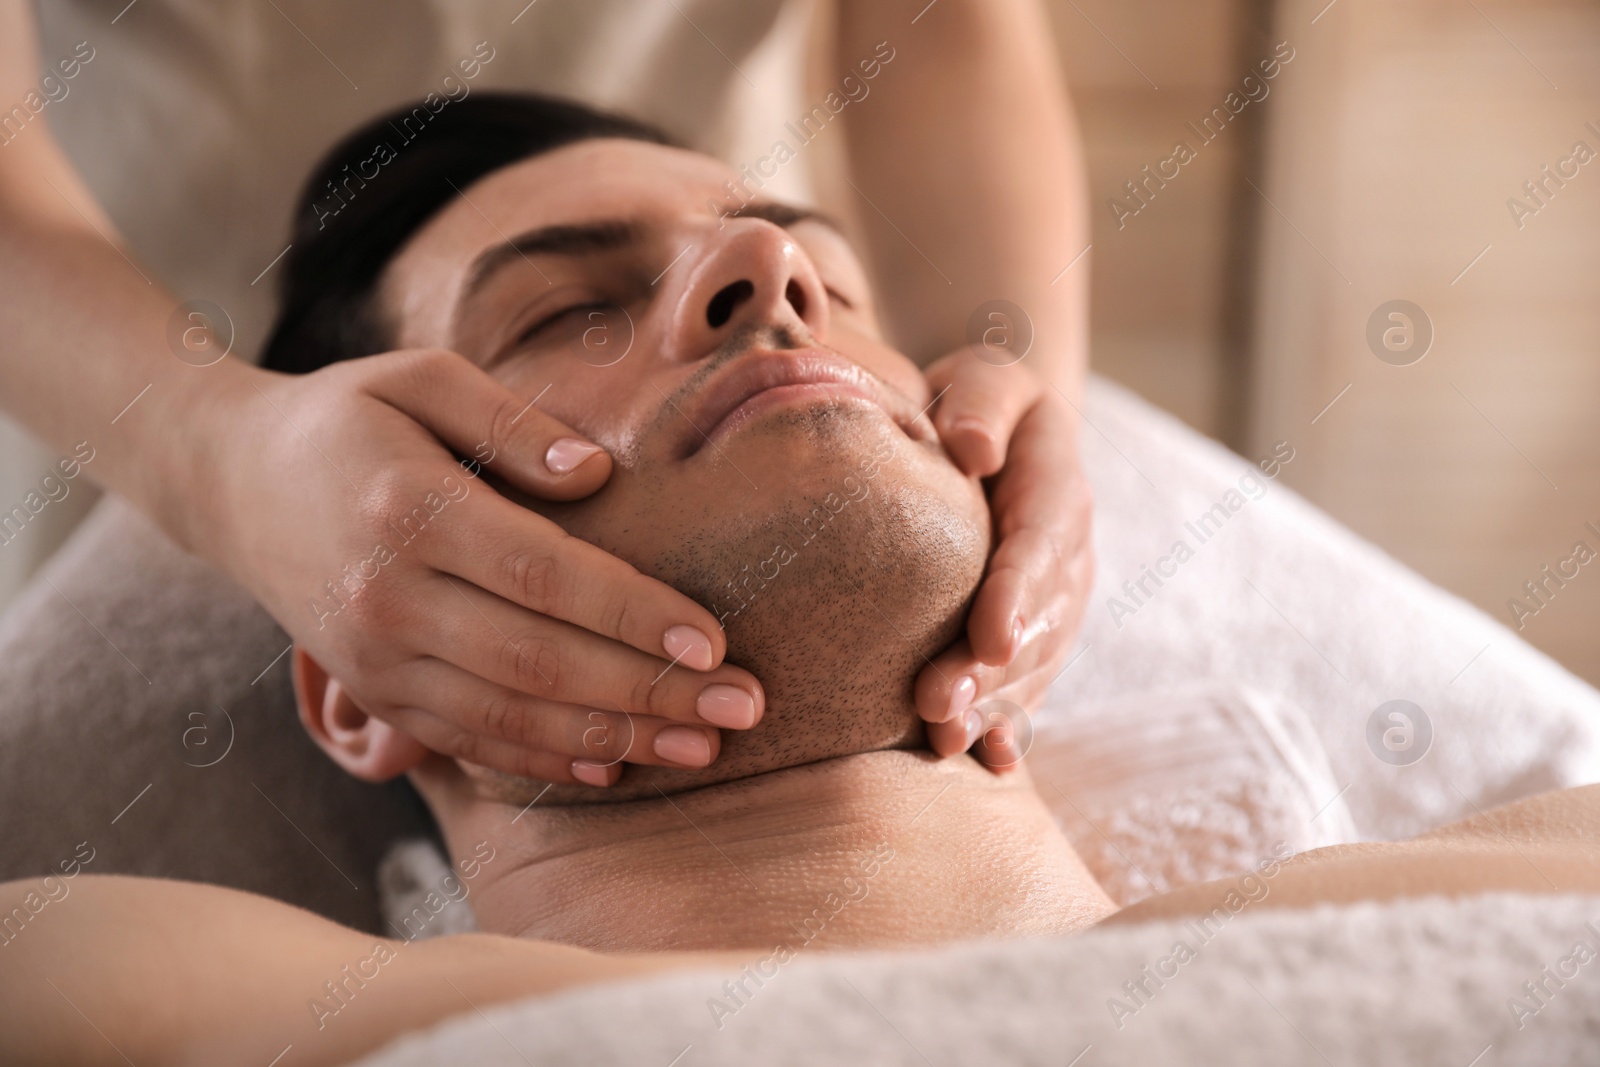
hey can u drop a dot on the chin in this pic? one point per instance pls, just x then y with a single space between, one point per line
847 519
835 594
848 563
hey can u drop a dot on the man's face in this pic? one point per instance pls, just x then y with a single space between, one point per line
771 455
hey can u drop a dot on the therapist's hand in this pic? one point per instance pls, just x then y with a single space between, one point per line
475 625
1007 425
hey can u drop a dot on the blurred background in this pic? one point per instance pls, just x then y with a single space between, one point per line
1380 165
1377 168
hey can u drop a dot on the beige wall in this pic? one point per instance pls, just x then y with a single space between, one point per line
1388 150
1140 70
1393 151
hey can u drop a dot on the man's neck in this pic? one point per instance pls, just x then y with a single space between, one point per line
875 850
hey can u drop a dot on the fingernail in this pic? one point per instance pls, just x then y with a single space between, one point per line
684 745
973 424
974 726
590 773
726 705
688 646
564 455
961 695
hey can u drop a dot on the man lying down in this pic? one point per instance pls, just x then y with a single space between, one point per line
759 420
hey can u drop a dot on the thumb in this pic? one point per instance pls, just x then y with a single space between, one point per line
979 407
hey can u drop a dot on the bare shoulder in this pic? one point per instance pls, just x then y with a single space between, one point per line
1544 844
1564 815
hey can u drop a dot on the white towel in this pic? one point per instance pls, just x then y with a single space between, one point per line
1283 601
1410 983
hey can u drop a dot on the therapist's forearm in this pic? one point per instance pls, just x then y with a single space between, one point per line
970 174
85 360
82 331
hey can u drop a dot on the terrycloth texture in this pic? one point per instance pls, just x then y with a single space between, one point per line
1167 788
128 665
1408 984
1283 601
421 896
82 732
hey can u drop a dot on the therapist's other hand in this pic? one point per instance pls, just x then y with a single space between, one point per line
1008 426
475 625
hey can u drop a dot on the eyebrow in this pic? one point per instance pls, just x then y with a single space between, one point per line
609 235
784 215
566 239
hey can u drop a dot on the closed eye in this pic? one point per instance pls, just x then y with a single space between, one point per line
554 318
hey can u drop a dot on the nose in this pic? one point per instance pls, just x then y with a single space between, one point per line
749 274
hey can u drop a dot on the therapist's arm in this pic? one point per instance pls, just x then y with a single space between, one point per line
968 178
284 482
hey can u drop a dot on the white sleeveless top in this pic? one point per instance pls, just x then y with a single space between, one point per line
196 121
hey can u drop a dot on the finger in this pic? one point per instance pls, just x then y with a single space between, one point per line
1010 681
990 737
482 420
988 728
500 722
1033 587
956 736
953 682
945 689
1018 681
495 640
979 407
519 556
1043 562
501 756
998 748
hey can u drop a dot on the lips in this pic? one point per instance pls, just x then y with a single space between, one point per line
763 381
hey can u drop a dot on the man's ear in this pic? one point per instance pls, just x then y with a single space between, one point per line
368 748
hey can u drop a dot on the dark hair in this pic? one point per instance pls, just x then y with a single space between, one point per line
350 221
